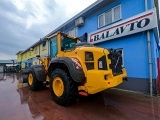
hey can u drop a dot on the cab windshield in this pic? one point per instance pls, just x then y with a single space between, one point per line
67 43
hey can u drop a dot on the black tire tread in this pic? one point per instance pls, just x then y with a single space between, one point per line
36 84
70 95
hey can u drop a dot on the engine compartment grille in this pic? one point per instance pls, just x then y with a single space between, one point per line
116 61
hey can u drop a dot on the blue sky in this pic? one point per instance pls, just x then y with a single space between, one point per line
23 22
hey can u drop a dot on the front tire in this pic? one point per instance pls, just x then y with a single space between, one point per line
63 89
33 83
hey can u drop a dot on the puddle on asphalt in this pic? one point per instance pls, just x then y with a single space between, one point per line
3 77
18 100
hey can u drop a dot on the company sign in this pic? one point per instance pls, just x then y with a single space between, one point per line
141 22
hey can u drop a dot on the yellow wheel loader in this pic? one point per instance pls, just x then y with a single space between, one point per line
74 67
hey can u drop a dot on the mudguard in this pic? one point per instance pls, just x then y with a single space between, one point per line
76 74
39 72
25 74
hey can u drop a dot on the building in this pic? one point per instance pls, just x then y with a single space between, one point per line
28 57
130 25
7 66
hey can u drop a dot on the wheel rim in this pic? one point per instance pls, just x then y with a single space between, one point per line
58 86
30 79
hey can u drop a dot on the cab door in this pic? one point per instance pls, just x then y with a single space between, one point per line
53 47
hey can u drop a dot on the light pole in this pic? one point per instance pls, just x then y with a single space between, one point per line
13 68
13 62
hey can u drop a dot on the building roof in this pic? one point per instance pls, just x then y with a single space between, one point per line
19 52
35 44
7 61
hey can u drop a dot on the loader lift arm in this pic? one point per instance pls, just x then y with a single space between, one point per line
45 62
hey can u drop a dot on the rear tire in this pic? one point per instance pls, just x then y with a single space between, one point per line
33 83
64 90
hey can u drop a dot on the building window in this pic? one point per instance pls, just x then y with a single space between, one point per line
101 20
117 13
109 16
25 55
44 45
35 50
73 32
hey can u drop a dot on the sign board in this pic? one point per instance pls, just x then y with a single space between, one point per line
141 22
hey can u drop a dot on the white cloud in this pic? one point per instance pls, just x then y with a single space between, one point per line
19 4
72 7
35 10
39 13
26 21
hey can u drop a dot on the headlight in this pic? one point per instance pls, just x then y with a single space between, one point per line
89 56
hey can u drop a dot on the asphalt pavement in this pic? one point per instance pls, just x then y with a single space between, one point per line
17 102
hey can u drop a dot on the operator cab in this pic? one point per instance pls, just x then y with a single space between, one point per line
61 42
67 43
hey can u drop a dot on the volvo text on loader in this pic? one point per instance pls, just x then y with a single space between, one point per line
74 68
